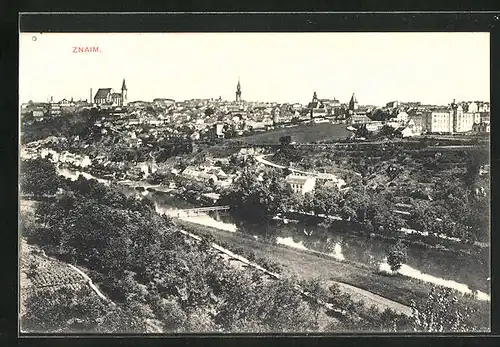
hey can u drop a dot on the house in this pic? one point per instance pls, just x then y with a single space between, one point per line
392 104
481 128
416 121
329 177
301 184
471 107
412 129
38 113
484 170
54 108
483 106
484 117
402 117
359 118
163 102
211 197
65 102
193 173
463 122
218 131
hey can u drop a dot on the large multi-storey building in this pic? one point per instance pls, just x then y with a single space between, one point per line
301 184
451 119
438 121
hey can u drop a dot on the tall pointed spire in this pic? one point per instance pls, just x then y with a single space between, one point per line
124 93
353 104
353 98
238 90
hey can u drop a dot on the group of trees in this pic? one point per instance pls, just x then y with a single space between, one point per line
266 194
81 123
446 193
158 277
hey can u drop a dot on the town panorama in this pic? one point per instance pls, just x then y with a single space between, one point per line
212 215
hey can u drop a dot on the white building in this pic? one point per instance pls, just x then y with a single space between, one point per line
412 129
439 121
301 184
463 122
402 117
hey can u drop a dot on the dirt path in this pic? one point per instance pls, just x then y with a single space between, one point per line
370 298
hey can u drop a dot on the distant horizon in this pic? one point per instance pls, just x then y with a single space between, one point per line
431 68
261 101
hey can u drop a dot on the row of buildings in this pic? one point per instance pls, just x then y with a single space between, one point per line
223 118
455 118
416 119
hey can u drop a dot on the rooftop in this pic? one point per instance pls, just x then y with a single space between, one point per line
296 179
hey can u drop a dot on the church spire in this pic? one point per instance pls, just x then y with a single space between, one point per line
124 93
315 97
353 104
238 91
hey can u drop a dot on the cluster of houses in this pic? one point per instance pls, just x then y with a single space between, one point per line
305 182
414 119
41 110
207 119
65 157
209 174
455 118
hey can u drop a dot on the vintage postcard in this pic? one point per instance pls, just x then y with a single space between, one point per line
254 182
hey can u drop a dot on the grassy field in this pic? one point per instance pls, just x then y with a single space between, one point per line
306 265
300 134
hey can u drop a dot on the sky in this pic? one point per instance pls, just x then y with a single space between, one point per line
433 68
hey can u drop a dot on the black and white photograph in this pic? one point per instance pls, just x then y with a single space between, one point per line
267 182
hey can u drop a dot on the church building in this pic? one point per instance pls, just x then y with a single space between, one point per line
106 96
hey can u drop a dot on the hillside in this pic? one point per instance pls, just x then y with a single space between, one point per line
301 134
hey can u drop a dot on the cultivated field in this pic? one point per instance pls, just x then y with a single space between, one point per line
300 134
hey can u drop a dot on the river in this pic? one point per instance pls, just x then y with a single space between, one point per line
449 269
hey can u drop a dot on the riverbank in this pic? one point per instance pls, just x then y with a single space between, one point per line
408 236
307 265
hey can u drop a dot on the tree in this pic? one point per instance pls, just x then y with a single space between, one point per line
380 114
285 140
441 313
424 217
397 256
318 295
326 199
356 200
209 111
265 195
64 310
39 177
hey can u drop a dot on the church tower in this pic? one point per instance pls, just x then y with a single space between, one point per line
315 97
238 91
353 104
124 93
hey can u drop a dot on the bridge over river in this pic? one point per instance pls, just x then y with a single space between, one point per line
191 212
